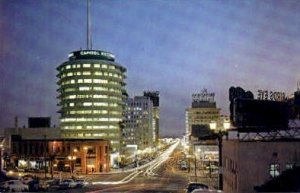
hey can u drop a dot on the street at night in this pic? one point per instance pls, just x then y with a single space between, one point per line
161 96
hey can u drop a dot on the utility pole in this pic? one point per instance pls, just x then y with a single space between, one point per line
195 162
220 139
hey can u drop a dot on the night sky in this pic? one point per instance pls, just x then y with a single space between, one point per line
177 47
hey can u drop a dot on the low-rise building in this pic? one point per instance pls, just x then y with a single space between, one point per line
251 163
80 155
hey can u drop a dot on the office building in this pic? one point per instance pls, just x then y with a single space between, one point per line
91 86
154 97
198 117
138 126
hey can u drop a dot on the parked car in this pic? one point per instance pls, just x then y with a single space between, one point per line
50 184
14 186
26 179
194 185
67 183
206 191
81 183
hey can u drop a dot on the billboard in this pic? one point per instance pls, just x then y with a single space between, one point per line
201 131
259 115
39 122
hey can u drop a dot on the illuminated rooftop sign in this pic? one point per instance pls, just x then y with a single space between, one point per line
91 54
203 96
270 95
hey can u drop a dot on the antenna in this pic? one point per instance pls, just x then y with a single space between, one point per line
89 32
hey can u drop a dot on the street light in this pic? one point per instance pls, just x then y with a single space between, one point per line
195 157
1 166
71 159
220 132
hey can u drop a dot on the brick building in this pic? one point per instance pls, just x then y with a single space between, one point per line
80 155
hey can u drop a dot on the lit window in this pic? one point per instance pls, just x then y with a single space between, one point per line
99 96
87 80
68 67
72 97
98 73
100 88
80 81
100 104
84 88
71 104
100 81
86 73
72 81
274 170
70 74
97 65
288 166
86 65
104 66
87 104
78 65
87 134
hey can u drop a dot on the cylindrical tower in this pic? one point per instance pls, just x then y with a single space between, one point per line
91 87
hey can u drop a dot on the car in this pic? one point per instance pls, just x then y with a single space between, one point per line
206 191
50 184
81 183
67 183
14 186
194 185
26 179
183 165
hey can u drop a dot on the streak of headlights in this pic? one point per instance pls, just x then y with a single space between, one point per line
150 170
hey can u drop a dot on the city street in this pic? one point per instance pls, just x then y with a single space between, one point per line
160 175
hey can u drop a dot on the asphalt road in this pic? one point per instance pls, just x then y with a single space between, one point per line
167 178
161 176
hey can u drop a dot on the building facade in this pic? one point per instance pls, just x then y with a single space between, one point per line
198 117
251 163
154 97
139 128
91 89
80 155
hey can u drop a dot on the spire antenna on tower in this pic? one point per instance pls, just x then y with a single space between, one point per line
89 31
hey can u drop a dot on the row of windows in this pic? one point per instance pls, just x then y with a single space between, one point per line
74 66
90 96
102 81
97 81
97 73
87 88
84 112
91 127
86 104
90 119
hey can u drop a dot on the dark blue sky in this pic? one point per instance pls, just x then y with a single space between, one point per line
177 47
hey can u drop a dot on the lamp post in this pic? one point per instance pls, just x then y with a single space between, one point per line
220 132
71 159
1 166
